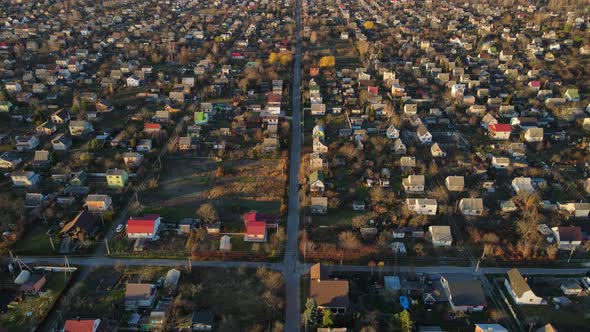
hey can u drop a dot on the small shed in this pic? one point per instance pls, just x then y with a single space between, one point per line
392 284
185 225
171 281
225 243
22 277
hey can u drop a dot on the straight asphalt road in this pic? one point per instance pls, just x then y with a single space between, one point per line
287 267
291 261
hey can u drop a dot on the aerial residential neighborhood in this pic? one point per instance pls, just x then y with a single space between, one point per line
298 165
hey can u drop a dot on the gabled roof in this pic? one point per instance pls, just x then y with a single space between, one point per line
517 282
317 272
569 233
115 171
138 291
455 180
80 325
441 233
422 130
465 290
151 126
329 293
84 220
256 228
500 127
472 203
492 327
41 155
257 216
142 225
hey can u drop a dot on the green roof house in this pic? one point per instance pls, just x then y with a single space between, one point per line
201 118
5 106
572 94
117 178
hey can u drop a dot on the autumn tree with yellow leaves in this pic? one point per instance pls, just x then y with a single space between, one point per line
327 61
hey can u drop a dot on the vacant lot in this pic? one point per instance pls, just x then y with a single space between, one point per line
234 187
568 318
31 311
257 295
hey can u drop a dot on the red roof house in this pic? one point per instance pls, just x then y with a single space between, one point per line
150 127
536 85
274 98
500 131
145 227
255 223
568 237
84 325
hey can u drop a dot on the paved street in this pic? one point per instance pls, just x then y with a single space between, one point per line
290 263
296 269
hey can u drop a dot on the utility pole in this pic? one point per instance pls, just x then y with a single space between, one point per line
51 242
571 253
67 267
190 264
477 266
106 243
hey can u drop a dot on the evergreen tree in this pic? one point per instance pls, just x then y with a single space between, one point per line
403 321
311 313
327 319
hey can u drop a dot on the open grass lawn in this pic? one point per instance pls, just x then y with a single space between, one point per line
341 216
170 245
36 242
29 313
172 214
271 207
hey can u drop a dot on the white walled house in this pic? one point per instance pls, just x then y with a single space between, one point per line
577 210
567 237
423 135
471 206
455 183
519 289
533 135
414 184
500 162
522 183
145 227
422 206
24 178
133 81
441 236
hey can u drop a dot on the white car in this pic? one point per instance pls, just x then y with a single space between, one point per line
119 228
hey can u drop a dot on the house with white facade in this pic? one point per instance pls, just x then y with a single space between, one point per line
422 206
519 289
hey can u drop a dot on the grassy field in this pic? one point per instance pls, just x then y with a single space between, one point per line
36 242
336 217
